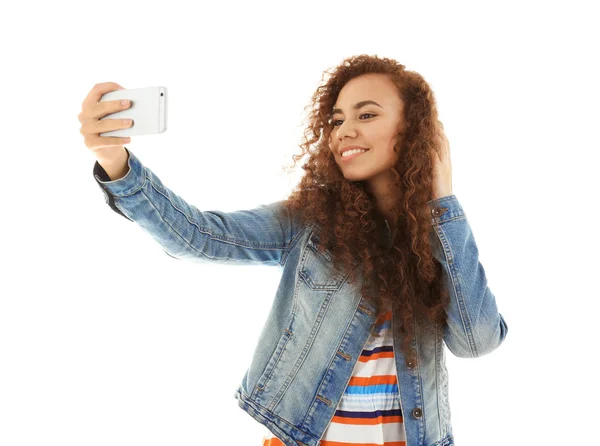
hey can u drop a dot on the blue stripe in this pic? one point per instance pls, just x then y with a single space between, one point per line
383 326
378 388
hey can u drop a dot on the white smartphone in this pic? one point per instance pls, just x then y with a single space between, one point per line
148 110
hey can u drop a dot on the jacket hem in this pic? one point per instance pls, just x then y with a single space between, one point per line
262 415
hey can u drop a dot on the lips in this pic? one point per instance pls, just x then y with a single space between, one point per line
345 159
351 148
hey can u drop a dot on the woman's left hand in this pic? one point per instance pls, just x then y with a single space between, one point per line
442 185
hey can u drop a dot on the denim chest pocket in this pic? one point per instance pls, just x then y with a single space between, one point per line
317 270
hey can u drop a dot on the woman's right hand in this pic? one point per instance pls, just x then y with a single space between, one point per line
104 147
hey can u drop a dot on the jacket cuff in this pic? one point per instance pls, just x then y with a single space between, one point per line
444 209
129 184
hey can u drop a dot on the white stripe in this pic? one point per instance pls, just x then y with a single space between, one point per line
369 403
378 433
385 338
377 367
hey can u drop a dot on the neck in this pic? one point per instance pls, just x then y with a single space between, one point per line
386 196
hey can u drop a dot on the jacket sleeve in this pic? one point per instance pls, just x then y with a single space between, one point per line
262 235
475 327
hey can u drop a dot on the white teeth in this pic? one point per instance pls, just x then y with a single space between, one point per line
350 152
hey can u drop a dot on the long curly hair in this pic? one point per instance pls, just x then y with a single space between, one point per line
351 227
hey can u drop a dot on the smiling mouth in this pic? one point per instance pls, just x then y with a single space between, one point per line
353 155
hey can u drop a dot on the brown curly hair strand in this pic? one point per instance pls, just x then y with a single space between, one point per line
350 224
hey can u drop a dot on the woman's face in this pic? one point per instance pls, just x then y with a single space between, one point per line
373 126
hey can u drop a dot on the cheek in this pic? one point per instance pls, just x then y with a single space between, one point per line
331 145
392 156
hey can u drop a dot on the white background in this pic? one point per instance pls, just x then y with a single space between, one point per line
106 340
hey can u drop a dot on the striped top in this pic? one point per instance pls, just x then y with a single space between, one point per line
368 413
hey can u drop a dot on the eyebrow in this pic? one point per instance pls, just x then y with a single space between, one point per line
357 106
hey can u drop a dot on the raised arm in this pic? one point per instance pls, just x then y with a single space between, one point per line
262 235
475 327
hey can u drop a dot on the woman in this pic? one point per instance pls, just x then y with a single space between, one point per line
379 265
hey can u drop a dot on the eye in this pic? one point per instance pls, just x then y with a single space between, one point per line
335 125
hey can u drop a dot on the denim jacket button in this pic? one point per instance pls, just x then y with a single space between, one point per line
417 413
409 364
436 212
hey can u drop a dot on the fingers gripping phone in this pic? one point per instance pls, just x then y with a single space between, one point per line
148 110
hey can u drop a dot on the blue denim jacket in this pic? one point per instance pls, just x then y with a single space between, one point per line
319 323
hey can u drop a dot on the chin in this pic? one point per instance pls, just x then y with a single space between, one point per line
355 176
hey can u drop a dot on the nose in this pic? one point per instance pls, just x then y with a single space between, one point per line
347 128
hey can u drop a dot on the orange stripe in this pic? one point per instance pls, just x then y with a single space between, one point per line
384 317
376 356
368 421
277 442
337 443
272 442
373 380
